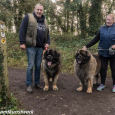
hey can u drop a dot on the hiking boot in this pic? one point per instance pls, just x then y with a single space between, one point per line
37 86
29 89
113 90
101 87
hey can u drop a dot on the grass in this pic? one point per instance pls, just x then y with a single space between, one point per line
66 44
16 57
10 103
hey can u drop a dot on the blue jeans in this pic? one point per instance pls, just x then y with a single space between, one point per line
34 56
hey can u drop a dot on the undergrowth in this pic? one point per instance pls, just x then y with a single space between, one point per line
66 44
7 101
16 57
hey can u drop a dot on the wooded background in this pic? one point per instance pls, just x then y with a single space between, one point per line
76 17
72 24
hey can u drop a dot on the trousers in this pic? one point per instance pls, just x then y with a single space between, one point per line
104 66
34 58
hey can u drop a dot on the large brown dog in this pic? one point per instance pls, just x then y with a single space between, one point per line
51 64
86 67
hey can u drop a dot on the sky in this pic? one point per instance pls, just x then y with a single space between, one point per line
53 0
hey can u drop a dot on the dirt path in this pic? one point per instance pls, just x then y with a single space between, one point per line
65 101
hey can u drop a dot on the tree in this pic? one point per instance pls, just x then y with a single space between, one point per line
95 16
83 17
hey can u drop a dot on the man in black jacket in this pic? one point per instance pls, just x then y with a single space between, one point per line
34 36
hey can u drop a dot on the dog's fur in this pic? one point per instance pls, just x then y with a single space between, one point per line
96 56
86 67
51 64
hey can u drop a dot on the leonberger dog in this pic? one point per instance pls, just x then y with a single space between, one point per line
87 67
51 64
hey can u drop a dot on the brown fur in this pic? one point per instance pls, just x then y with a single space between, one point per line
96 56
86 67
51 64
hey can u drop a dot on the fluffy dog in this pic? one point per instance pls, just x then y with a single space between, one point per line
51 64
86 67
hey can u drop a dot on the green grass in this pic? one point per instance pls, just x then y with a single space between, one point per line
16 57
66 44
9 103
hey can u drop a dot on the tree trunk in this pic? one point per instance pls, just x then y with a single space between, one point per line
95 16
72 22
82 18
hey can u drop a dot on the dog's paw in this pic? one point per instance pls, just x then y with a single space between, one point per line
89 90
46 88
79 89
55 87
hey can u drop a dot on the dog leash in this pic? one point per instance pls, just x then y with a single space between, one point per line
111 51
102 49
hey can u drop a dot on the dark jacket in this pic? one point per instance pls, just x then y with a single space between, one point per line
40 38
107 39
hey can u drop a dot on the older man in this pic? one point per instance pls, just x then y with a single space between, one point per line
34 36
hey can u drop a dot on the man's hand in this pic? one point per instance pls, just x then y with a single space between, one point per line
84 48
46 46
23 47
113 47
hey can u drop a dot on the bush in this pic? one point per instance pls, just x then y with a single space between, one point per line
66 44
16 57
6 102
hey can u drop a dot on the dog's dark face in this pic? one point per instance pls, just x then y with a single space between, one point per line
82 57
51 56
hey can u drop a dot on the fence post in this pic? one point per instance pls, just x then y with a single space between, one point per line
4 50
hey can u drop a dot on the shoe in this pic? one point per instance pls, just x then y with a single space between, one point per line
113 90
37 86
29 89
101 87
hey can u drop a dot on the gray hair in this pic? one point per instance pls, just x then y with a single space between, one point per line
112 15
39 5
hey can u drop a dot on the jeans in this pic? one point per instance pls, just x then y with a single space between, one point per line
34 56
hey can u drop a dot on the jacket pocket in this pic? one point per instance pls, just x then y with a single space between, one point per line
28 41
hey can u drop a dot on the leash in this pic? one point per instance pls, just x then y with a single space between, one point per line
102 49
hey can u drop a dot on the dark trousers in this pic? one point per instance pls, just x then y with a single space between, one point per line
104 65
